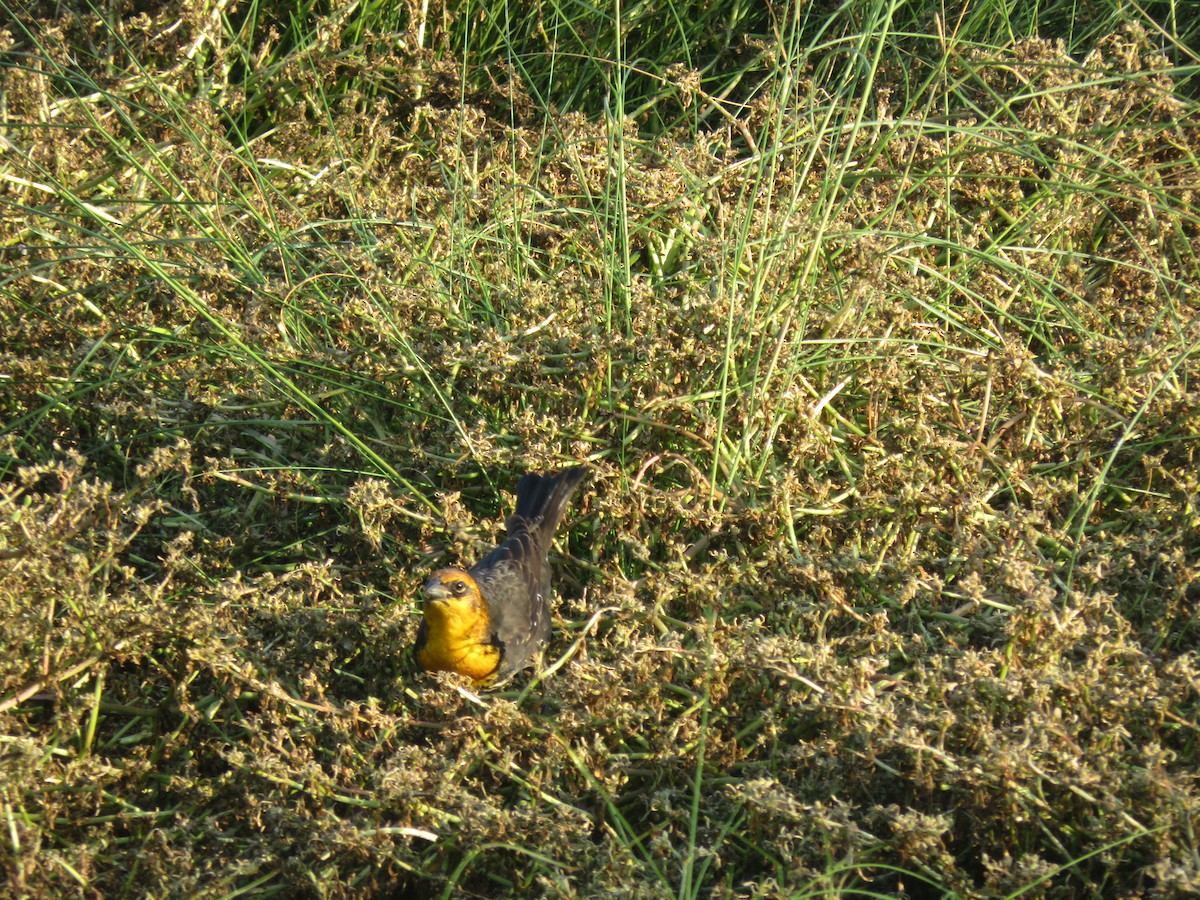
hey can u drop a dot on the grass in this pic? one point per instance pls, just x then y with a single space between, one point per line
875 325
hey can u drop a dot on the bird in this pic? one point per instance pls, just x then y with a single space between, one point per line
486 622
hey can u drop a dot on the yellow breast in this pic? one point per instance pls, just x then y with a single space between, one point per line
477 661
457 639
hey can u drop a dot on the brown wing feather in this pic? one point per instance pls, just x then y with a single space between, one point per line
515 577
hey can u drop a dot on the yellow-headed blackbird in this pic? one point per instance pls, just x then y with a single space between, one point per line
487 621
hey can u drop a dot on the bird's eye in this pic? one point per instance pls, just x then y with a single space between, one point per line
458 588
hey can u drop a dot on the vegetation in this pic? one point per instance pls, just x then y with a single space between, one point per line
876 324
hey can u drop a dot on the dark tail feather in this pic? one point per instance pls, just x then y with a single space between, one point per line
542 500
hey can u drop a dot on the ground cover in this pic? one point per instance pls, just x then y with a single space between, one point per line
878 338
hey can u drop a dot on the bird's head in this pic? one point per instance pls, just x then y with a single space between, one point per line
453 595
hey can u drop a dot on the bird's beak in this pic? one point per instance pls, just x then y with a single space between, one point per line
435 590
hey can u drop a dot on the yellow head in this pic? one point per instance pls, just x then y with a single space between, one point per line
458 627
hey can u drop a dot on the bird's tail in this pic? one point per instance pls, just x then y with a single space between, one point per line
542 500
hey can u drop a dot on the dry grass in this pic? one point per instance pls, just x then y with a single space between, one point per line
885 578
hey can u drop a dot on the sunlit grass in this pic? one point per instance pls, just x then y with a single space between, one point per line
877 331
